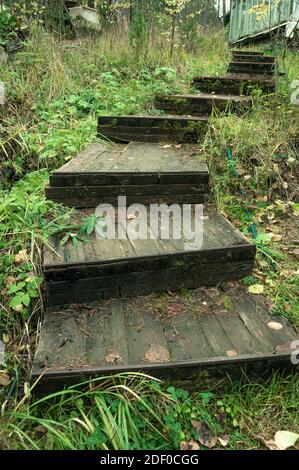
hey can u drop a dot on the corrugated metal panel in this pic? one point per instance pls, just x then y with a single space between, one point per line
242 24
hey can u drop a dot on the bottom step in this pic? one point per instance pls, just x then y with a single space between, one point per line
169 335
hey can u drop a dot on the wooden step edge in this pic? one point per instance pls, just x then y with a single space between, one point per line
246 247
86 372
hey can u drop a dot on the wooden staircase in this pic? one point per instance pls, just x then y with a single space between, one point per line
105 313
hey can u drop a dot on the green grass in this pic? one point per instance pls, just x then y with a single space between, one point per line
56 91
133 412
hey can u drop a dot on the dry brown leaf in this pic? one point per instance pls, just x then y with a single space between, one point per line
10 280
113 357
184 445
4 379
224 440
157 354
285 347
273 325
269 444
191 445
205 434
231 353
40 431
21 257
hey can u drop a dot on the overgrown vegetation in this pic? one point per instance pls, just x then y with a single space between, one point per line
55 91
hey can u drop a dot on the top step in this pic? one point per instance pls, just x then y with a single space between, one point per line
248 53
166 128
255 58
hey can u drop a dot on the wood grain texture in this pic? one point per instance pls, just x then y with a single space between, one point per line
126 267
173 334
167 128
236 84
203 103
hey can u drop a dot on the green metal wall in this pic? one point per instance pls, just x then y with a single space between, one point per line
243 25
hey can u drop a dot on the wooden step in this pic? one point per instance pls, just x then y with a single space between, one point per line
241 84
103 268
255 58
247 53
202 103
146 173
174 336
167 128
251 68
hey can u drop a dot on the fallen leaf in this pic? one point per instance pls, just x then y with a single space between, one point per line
167 146
157 354
113 357
21 257
40 431
184 445
296 252
10 280
269 444
4 379
231 353
285 439
193 445
273 325
224 441
205 434
178 146
256 289
275 237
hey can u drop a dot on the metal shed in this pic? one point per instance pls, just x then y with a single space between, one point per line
245 26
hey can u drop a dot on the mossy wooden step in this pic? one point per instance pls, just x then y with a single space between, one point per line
202 103
235 84
102 268
237 53
258 58
250 67
173 336
167 128
146 173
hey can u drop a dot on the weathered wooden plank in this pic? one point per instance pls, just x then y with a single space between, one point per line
248 53
144 334
202 103
251 68
144 282
90 202
235 84
254 58
153 128
135 164
166 121
99 338
136 190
